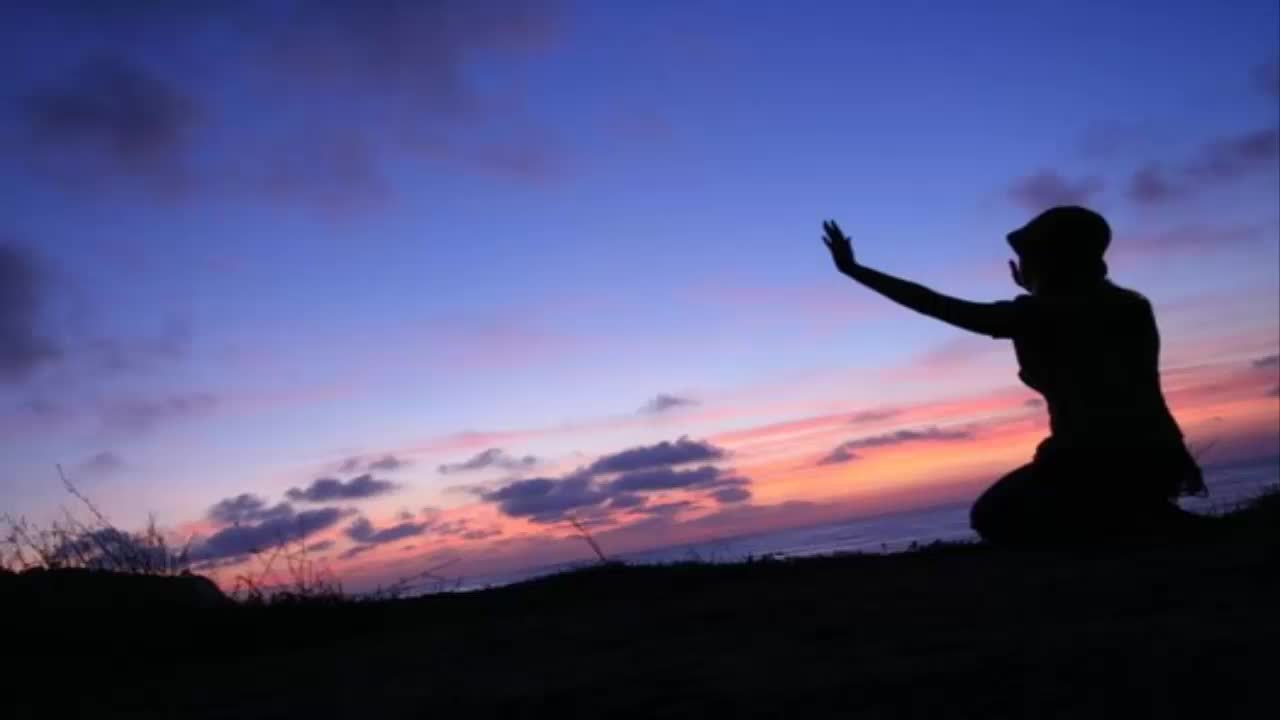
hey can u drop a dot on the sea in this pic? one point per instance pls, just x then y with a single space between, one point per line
1230 486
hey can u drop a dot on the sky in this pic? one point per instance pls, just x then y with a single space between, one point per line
419 282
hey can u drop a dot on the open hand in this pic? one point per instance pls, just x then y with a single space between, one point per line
840 246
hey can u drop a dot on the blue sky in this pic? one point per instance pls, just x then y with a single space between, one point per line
276 234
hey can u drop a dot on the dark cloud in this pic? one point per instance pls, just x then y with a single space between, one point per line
355 551
330 489
1033 403
546 499
1215 163
387 463
663 402
618 481
139 414
873 416
1231 157
363 531
1267 362
906 436
1046 188
1152 185
683 451
662 479
846 452
839 456
626 500
117 114
103 463
247 508
491 458
480 534
24 345
248 538
1275 392
731 495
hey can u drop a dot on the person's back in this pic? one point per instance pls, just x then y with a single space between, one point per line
1095 358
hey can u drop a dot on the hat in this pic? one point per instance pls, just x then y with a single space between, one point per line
1064 232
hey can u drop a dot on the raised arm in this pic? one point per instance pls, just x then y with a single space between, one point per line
993 319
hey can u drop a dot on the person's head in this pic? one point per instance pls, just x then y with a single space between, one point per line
1061 249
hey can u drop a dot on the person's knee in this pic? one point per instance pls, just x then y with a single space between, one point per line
984 516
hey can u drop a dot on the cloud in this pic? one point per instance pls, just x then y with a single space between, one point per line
113 112
1267 362
24 346
662 479
248 538
874 416
623 501
546 499
247 508
663 402
1046 188
731 495
363 531
1231 157
355 551
386 463
618 481
683 451
845 452
931 433
839 456
330 489
402 67
138 414
1151 185
103 463
1217 162
491 458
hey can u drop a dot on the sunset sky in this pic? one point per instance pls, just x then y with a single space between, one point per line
417 281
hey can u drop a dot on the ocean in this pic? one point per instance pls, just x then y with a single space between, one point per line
1229 486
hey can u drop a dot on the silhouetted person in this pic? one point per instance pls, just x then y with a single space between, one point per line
1115 460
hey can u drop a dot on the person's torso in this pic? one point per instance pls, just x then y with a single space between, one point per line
1095 359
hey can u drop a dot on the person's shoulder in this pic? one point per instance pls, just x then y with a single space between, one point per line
1121 295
